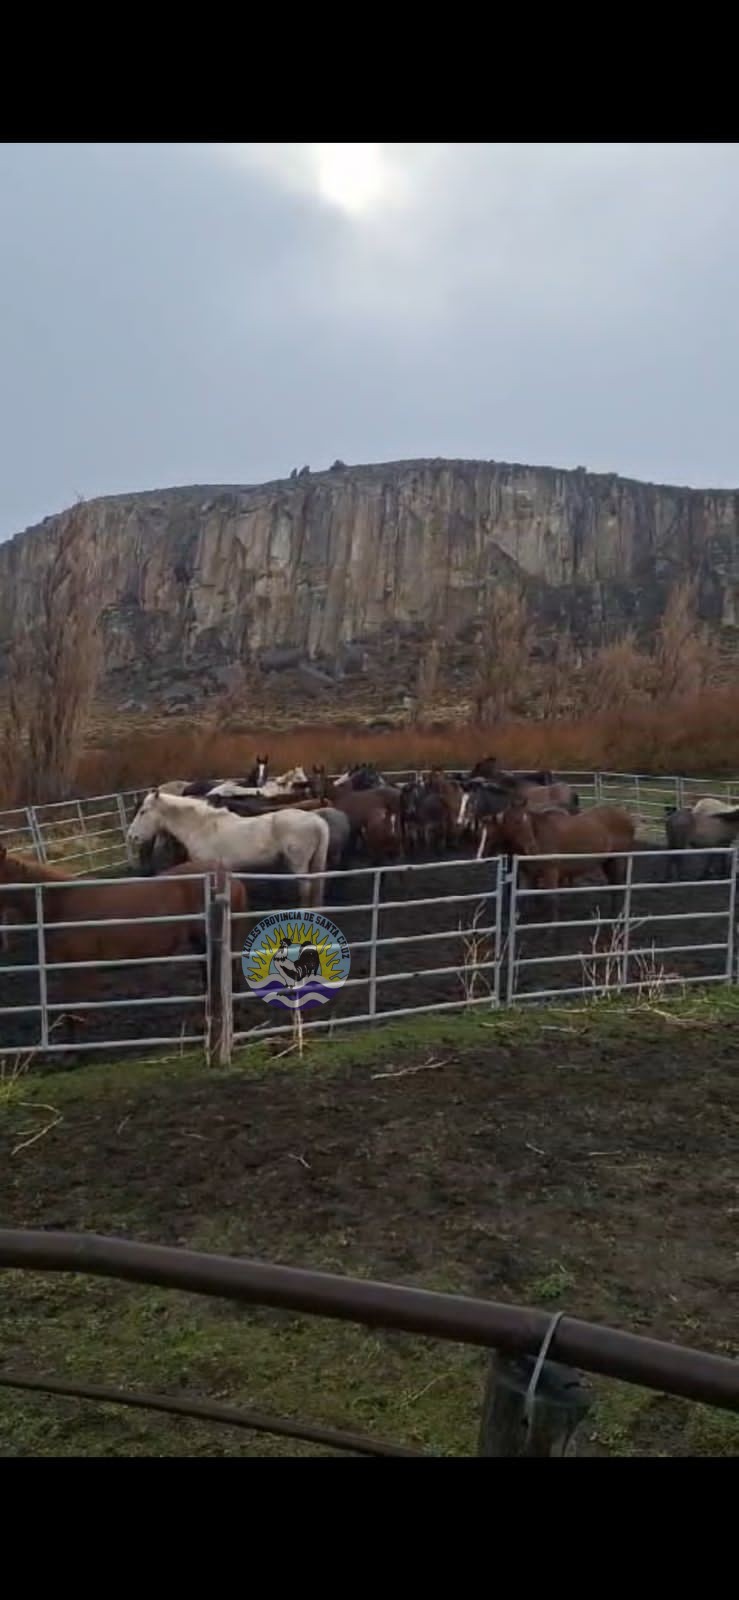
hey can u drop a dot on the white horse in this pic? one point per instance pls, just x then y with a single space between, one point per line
708 807
210 834
274 787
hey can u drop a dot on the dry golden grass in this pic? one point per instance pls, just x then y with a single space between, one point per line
696 735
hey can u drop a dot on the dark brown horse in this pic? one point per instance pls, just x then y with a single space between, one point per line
83 900
599 833
450 794
490 768
355 802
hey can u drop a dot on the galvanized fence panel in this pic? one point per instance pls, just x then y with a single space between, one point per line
487 940
37 1013
624 937
442 951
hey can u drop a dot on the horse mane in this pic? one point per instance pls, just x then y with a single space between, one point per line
185 802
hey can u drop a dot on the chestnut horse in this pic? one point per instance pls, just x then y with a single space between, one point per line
599 833
83 900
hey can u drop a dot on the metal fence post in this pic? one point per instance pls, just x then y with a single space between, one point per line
499 892
512 918
374 926
627 921
732 975
680 793
531 1408
121 804
598 787
83 831
42 973
223 897
39 843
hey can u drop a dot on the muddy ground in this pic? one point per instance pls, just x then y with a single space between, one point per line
568 1161
404 978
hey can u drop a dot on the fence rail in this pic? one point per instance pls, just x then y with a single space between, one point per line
483 941
423 937
512 1331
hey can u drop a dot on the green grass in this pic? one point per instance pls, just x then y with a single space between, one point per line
423 1393
607 1016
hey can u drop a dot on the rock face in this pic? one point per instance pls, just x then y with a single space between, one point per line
345 570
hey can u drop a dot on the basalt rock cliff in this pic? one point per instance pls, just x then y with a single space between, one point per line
329 579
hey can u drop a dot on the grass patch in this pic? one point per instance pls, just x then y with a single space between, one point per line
473 1178
611 1016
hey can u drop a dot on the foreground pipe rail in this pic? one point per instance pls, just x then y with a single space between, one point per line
668 1368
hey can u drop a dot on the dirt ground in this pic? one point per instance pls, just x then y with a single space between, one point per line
404 975
580 1160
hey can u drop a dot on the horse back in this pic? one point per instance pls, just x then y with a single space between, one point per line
598 830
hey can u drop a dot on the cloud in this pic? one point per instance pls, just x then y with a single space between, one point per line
211 313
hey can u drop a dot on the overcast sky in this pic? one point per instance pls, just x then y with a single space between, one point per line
222 313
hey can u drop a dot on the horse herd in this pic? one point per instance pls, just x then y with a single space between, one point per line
309 824
312 823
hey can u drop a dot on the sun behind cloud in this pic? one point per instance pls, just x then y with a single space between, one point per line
354 177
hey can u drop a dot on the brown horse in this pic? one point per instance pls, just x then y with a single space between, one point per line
360 804
450 794
599 833
382 836
83 900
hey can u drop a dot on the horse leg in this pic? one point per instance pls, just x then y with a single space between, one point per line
312 889
614 871
74 989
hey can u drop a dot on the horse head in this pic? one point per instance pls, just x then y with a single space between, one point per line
514 827
257 776
148 820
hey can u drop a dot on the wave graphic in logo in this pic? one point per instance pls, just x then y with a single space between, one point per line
311 992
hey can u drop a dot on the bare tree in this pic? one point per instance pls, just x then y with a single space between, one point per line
557 687
504 646
686 656
53 669
427 677
617 674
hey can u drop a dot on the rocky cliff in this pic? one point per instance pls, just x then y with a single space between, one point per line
337 574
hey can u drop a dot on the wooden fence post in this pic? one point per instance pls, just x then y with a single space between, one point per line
219 990
516 1422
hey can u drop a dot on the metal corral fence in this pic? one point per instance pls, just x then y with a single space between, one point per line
422 937
91 832
532 1405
